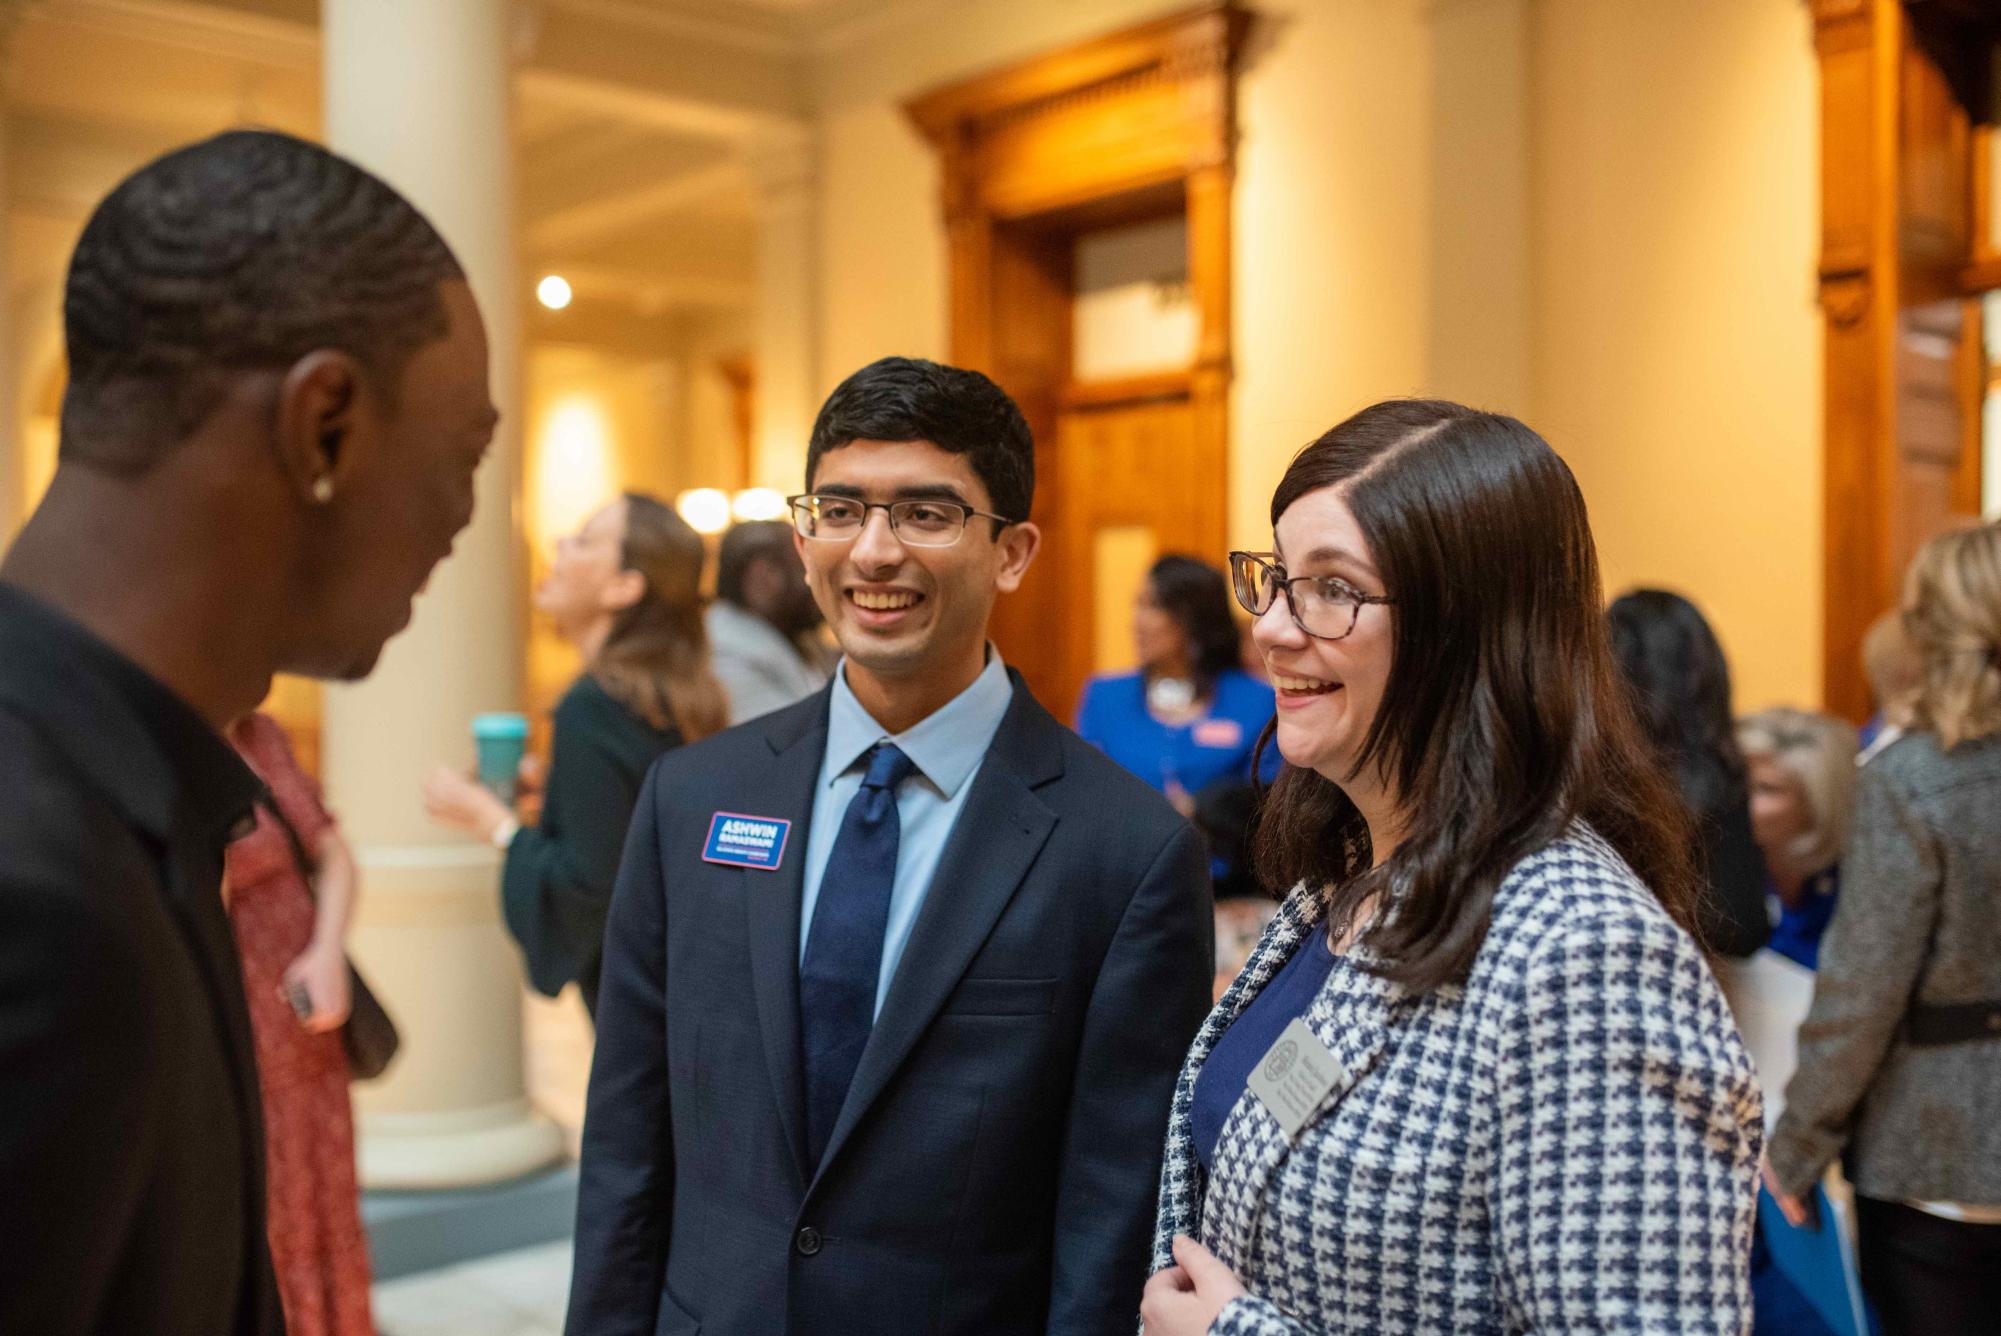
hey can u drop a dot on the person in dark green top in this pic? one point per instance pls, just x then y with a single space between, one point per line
624 589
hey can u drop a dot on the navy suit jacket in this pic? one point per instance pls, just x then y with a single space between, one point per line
995 1166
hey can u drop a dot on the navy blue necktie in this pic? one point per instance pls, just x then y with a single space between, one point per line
843 962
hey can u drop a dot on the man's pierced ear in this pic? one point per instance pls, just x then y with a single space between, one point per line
315 414
323 484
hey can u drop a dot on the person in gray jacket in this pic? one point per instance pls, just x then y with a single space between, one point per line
1900 1057
763 627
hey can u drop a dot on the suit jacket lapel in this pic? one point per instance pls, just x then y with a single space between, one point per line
993 844
785 790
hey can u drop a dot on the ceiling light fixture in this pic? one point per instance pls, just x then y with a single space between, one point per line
553 292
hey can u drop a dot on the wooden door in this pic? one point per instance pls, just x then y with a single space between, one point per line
1903 356
1135 124
1125 456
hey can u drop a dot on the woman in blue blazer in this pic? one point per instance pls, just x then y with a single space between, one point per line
1476 1076
1190 716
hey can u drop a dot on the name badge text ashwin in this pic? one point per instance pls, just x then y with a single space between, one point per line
755 842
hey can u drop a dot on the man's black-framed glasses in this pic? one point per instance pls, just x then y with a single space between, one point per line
1323 606
838 519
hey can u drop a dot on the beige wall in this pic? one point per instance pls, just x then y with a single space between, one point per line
1677 345
1332 211
1479 344
882 276
1597 214
883 264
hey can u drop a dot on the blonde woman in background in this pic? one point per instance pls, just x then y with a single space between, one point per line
1802 774
1801 771
1900 1057
624 589
1893 670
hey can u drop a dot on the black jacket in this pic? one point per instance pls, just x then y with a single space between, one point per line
131 1142
995 1168
557 879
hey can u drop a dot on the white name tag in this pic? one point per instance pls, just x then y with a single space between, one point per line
1294 1075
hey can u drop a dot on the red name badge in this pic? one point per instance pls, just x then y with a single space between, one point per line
1219 733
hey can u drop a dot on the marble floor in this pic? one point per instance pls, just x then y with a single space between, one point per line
519 1293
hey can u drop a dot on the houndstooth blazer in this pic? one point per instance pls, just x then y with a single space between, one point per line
1567 1142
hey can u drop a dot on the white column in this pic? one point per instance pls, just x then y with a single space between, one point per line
419 93
783 166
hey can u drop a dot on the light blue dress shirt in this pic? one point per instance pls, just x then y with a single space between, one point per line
948 748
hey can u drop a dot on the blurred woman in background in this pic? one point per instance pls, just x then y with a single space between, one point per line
1190 716
1900 1057
1802 780
1802 768
625 590
1187 722
1891 664
1681 692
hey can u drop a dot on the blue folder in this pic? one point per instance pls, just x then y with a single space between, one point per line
1813 1261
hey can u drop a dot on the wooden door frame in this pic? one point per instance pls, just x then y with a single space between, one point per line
1133 124
1902 257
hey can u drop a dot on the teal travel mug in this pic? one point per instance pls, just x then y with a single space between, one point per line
501 740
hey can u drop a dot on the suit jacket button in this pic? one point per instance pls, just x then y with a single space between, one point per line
807 1241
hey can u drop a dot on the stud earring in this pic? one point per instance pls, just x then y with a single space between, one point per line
323 489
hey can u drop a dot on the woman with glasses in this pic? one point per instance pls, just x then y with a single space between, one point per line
1477 1076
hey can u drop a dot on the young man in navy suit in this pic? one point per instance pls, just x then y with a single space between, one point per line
897 980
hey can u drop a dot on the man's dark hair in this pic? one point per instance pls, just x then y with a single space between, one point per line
910 399
243 252
744 545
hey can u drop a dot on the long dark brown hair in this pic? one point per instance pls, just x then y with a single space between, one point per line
1196 596
655 662
1503 720
1680 682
